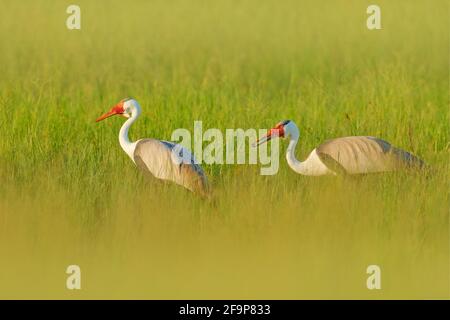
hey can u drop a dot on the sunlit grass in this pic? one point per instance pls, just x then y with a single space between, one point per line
70 195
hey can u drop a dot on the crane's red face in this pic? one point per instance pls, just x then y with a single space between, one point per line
117 109
277 131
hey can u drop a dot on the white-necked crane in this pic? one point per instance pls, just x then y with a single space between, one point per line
163 159
346 155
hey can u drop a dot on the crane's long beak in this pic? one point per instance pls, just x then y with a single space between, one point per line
117 109
271 134
262 140
106 115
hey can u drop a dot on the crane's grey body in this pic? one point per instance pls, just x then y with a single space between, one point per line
168 161
162 159
362 154
347 155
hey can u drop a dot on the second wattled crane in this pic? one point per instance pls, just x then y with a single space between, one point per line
347 155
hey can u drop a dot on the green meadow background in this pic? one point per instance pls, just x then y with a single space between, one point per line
70 195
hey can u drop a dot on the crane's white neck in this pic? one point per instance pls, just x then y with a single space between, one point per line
124 141
295 164
312 166
291 130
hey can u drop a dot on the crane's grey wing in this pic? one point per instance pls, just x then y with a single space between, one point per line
189 168
332 164
169 161
365 155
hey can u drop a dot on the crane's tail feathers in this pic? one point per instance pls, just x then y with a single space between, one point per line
409 160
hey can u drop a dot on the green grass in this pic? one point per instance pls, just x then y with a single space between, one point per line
70 195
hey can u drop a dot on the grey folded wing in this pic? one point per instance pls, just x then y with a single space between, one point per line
169 161
363 154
